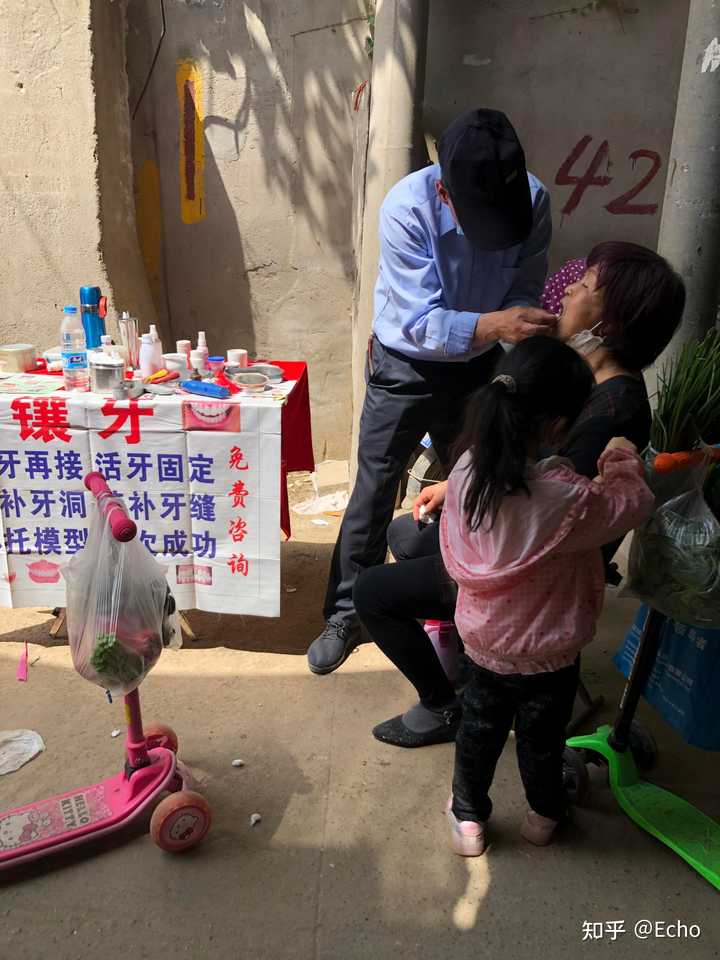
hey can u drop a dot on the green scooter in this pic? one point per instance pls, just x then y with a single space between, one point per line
624 748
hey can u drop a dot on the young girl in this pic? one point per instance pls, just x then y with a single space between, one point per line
522 540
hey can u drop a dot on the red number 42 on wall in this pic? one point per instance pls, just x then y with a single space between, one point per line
590 178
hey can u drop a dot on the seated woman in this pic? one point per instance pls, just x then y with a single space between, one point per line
620 315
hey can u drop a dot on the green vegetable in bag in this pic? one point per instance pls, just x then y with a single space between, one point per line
675 561
115 662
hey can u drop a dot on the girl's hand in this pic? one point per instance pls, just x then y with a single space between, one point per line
620 443
617 443
432 498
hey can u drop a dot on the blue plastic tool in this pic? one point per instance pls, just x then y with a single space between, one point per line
204 389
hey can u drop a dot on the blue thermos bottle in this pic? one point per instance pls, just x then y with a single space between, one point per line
93 308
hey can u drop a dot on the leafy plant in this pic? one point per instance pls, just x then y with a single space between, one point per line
370 39
370 20
688 400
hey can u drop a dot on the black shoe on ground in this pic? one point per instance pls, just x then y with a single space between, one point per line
332 648
398 734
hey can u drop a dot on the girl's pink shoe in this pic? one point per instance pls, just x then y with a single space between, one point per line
467 837
538 830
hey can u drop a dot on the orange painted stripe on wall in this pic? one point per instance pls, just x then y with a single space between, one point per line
192 142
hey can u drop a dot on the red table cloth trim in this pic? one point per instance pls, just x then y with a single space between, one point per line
296 443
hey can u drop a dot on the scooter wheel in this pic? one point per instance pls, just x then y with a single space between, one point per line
160 735
575 777
180 821
642 746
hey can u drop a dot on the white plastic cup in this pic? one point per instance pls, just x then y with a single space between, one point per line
238 358
198 360
175 361
185 347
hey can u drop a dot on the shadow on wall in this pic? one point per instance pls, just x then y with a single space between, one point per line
272 137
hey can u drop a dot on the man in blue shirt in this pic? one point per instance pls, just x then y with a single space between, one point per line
463 258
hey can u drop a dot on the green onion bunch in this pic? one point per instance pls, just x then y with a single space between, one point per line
688 399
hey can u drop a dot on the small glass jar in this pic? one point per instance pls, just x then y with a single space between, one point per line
216 365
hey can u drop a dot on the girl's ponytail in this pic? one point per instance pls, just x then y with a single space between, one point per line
539 381
496 432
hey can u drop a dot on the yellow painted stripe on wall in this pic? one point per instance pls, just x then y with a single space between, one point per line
192 141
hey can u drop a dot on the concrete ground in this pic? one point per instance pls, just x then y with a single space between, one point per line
350 859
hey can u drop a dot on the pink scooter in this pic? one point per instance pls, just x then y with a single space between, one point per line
180 821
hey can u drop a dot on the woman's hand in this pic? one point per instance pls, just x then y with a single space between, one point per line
432 498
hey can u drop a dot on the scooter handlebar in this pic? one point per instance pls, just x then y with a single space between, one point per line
121 526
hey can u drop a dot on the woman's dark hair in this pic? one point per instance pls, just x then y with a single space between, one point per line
541 380
644 299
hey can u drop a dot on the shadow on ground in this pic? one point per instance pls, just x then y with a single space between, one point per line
350 859
304 572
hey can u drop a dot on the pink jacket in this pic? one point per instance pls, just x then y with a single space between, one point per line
531 588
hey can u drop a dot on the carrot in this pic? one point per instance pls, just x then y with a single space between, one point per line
664 463
667 462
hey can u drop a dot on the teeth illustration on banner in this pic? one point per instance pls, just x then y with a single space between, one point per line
201 415
42 571
193 573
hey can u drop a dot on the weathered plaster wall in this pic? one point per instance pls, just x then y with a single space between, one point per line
49 230
568 74
243 152
65 172
119 245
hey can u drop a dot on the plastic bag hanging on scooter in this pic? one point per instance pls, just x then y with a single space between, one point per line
674 562
120 612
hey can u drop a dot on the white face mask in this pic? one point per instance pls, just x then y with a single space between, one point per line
585 342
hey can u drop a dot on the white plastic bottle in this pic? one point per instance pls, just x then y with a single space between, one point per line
202 348
148 356
156 339
443 638
74 351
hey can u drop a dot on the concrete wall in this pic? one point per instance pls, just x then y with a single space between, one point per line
49 230
608 71
128 281
64 165
243 152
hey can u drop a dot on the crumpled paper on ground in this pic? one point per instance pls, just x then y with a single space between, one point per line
329 503
17 747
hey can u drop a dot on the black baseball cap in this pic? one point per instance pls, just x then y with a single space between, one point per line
483 167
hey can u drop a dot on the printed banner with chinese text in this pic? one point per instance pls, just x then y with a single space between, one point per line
201 479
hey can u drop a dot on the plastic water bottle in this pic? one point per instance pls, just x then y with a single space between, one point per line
442 636
74 351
